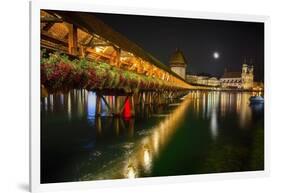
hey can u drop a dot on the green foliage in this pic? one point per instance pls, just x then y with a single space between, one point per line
57 70
104 66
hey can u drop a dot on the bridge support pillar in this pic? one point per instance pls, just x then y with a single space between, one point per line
116 102
138 98
132 103
160 98
116 110
148 98
98 105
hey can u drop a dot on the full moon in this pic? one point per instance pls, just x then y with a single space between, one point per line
216 55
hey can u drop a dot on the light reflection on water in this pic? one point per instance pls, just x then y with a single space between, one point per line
62 99
51 102
91 107
146 149
214 124
69 105
222 103
147 135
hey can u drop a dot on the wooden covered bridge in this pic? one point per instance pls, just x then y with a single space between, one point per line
79 51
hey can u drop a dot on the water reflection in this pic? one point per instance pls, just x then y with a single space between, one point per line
214 124
130 172
51 102
79 103
140 157
215 104
245 110
91 107
46 103
156 140
204 106
110 148
69 105
62 99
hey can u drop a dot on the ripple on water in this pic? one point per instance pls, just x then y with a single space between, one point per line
144 132
128 145
95 155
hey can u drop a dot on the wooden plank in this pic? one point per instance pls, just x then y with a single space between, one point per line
48 37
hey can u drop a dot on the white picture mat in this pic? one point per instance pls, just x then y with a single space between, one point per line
35 7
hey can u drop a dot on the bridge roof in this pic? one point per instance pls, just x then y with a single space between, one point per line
91 24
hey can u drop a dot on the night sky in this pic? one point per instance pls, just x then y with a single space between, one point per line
198 39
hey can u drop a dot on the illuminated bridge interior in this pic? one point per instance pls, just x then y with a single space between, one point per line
82 35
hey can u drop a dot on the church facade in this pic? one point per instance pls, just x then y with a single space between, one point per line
239 80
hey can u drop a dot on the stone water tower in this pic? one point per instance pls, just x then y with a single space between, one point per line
178 63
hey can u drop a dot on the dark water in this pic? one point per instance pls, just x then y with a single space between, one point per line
205 132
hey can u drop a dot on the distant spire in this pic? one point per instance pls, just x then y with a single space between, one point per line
251 61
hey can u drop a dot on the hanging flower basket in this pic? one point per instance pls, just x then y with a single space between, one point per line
59 74
56 76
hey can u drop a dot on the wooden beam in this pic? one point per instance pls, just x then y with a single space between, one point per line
89 41
123 105
51 20
72 39
132 103
82 51
107 105
48 26
53 47
91 50
117 58
48 37
86 40
101 44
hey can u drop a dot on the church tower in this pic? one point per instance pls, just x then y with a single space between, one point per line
244 69
247 76
178 63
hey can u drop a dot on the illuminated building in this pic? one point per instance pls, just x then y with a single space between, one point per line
247 76
203 80
239 80
229 80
